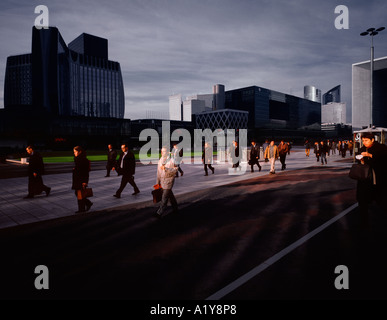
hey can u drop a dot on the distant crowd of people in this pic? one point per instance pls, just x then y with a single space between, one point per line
169 167
323 149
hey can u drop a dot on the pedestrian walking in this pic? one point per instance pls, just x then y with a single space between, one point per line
339 147
317 150
307 148
81 178
111 160
207 159
264 146
234 154
254 156
166 174
126 166
35 172
289 147
283 150
333 148
350 147
177 156
344 148
323 152
272 154
329 147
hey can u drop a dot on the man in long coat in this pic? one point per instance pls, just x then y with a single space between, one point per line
35 172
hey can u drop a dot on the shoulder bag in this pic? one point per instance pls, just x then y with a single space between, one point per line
360 172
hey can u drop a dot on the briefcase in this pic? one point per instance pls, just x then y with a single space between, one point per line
157 194
87 192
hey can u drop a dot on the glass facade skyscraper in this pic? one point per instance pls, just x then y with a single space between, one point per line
73 80
272 109
333 95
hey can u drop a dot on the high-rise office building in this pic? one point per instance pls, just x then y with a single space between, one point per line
196 103
272 109
175 107
219 97
74 80
312 93
361 94
333 95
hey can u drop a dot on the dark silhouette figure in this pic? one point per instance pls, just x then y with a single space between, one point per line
35 172
254 156
126 166
111 160
81 178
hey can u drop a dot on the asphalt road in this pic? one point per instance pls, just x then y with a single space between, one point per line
219 235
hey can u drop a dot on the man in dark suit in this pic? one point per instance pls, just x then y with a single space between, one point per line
35 172
111 160
126 166
254 156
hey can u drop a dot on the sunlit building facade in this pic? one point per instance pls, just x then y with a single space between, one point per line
361 94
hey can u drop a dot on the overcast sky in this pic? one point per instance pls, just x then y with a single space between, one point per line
186 46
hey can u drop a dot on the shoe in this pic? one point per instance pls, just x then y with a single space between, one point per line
135 192
48 192
182 173
206 174
88 205
213 171
81 206
260 168
157 215
116 195
252 170
28 197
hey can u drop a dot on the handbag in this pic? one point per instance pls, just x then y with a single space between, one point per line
157 193
87 192
360 172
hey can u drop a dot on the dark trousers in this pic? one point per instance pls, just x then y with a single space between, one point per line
124 181
36 186
109 167
282 157
167 195
366 194
209 166
84 204
179 170
256 162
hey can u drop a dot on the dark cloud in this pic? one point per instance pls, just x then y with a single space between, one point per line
184 46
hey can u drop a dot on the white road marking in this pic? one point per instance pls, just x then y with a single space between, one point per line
258 269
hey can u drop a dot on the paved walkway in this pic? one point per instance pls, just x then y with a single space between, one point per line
14 210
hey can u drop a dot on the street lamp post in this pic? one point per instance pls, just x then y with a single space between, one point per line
372 32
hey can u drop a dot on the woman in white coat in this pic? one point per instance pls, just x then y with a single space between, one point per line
166 174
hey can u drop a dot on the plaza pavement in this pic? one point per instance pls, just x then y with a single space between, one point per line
14 210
